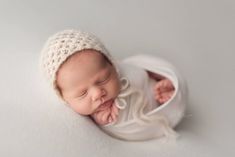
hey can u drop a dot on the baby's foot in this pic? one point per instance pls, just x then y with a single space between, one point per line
164 90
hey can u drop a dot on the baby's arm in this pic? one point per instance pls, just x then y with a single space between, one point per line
107 115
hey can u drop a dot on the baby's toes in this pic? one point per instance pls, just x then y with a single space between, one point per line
158 95
158 86
168 84
167 95
161 100
171 93
162 86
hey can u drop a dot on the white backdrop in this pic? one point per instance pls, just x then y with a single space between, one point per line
197 36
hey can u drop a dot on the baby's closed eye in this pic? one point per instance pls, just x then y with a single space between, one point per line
83 93
104 80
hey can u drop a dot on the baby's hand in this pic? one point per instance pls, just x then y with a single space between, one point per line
164 90
106 116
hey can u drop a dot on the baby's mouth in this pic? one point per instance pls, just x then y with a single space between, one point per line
105 105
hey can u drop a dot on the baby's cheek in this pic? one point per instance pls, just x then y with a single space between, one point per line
114 87
81 107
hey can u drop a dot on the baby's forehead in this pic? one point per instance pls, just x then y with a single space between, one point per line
91 56
89 52
85 58
81 64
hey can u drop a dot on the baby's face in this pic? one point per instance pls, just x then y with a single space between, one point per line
87 80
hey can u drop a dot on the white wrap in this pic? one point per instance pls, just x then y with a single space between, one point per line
140 118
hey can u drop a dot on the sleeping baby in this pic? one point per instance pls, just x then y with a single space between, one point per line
123 98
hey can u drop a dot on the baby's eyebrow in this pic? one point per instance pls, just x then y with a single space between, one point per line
104 76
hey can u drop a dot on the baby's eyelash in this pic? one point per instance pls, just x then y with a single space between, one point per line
83 93
106 79
102 81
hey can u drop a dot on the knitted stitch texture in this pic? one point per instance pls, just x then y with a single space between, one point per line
60 46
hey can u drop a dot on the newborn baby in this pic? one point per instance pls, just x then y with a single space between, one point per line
117 96
89 83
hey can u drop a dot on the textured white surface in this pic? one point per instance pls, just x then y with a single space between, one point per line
197 36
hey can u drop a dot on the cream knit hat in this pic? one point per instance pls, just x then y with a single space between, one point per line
62 45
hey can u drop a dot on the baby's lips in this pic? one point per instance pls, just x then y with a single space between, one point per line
105 105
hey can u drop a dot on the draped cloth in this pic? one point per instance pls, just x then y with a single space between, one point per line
140 116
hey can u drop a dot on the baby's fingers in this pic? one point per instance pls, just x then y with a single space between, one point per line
105 117
114 116
110 119
115 109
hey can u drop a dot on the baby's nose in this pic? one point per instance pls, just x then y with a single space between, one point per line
98 93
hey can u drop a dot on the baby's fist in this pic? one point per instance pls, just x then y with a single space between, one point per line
106 116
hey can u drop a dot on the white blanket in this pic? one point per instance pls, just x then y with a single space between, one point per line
140 117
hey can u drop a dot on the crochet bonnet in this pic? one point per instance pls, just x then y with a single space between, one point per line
60 46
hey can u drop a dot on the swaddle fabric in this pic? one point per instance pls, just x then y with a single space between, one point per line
141 117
